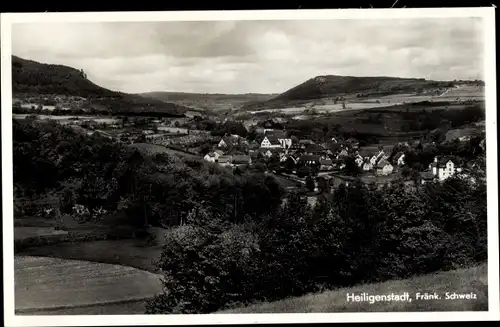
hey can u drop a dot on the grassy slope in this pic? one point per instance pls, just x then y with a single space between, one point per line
332 86
211 102
45 285
459 281
34 78
152 149
88 241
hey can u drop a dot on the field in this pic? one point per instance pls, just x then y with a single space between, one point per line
152 149
43 285
328 105
66 119
129 252
208 102
460 281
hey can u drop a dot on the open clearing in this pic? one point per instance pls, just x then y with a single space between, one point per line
59 286
152 149
459 281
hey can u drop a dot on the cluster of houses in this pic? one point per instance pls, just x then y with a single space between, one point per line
296 153
328 156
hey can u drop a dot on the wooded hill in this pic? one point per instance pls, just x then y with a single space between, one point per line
31 79
333 86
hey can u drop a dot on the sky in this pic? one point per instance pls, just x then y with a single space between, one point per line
254 56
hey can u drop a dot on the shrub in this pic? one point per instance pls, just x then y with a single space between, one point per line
206 268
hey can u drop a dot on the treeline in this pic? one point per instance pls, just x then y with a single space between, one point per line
356 235
160 190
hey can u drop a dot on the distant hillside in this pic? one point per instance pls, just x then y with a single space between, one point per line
332 86
31 79
210 102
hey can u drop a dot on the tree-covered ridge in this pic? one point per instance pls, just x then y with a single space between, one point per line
31 78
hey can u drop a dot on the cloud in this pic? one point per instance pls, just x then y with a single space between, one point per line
254 56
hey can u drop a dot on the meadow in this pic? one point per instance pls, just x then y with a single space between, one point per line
44 285
330 105
151 149
460 281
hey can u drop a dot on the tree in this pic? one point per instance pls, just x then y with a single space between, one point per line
252 133
323 185
310 184
351 167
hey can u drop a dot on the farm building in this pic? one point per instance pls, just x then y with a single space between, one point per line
342 154
240 160
359 160
384 167
270 141
325 164
225 161
367 165
309 161
227 142
211 157
314 149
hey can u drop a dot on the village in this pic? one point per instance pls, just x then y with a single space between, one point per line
298 159
302 163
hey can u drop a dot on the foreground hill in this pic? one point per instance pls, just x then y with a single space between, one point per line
209 102
462 281
349 87
70 87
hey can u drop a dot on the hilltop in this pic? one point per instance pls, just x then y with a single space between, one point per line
345 88
71 87
209 101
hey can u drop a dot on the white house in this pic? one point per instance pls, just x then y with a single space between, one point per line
443 168
270 141
376 158
222 144
342 153
226 142
273 139
367 165
384 167
212 156
359 160
399 159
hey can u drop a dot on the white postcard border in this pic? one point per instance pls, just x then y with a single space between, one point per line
487 14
